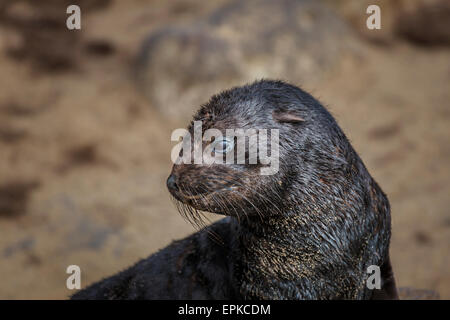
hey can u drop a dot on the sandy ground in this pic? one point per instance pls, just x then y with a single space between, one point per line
84 156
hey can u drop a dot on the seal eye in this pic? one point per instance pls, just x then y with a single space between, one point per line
223 145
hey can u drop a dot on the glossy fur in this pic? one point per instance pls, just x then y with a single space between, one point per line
308 232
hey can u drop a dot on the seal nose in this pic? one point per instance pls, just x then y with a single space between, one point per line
171 184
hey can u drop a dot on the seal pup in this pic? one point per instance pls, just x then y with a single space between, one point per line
308 231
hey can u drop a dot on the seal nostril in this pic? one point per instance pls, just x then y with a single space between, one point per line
171 184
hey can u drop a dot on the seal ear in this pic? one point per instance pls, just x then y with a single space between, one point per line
286 116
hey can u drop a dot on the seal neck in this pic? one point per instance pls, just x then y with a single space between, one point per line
312 252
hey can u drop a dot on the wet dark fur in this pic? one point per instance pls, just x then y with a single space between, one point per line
308 232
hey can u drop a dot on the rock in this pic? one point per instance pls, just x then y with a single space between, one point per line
299 41
417 294
38 33
425 24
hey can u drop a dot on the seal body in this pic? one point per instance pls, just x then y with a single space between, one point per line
309 230
197 267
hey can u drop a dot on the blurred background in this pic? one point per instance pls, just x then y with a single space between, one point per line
86 117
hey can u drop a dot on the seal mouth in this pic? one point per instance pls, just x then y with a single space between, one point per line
182 196
194 207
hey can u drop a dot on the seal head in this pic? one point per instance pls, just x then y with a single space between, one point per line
310 229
